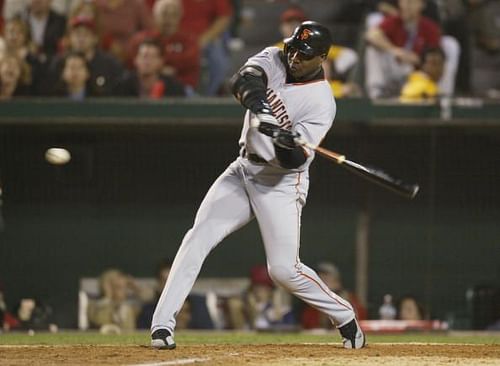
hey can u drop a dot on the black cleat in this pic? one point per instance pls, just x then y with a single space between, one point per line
162 339
352 335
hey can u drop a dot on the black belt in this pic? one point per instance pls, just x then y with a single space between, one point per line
254 158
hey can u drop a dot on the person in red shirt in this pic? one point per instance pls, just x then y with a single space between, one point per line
120 19
1 15
180 50
209 20
147 81
398 43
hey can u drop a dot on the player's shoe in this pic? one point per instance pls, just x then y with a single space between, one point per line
352 335
162 339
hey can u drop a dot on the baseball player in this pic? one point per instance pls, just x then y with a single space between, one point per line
287 97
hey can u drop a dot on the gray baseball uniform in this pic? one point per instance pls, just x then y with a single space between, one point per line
273 195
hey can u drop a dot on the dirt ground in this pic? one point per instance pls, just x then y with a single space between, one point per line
250 355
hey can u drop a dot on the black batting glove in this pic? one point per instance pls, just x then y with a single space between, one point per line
269 129
286 139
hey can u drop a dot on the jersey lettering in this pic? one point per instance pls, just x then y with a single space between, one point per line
279 109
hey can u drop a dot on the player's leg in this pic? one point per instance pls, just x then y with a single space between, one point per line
278 213
224 209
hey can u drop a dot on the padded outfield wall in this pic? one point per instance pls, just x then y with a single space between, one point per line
139 171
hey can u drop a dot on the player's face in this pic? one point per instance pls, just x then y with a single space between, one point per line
301 65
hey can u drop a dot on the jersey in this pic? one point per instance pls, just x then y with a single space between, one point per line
307 108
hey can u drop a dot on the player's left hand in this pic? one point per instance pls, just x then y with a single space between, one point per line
286 139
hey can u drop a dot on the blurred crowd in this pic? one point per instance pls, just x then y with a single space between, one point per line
121 303
413 50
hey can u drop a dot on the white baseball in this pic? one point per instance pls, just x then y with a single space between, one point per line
57 156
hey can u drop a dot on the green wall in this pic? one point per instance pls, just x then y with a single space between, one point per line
132 190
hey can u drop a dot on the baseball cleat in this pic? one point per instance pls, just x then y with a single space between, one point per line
162 339
352 335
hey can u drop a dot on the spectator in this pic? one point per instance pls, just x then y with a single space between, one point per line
449 44
147 81
485 24
14 77
209 20
410 309
74 78
422 84
261 306
1 15
397 44
180 49
7 320
46 27
120 20
311 318
105 70
87 9
33 314
16 41
13 7
192 311
339 62
114 311
147 309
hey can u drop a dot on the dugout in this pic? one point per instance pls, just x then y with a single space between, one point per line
140 169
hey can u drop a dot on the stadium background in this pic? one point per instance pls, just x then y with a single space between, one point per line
139 170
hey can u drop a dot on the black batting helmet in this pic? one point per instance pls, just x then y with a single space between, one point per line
310 38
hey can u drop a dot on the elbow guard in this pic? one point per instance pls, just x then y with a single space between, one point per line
249 86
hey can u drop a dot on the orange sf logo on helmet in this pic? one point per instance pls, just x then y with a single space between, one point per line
305 34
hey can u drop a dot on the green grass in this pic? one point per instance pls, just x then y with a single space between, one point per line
192 337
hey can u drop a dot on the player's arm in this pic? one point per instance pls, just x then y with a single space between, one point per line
249 86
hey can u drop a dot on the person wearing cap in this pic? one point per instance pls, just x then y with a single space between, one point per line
105 70
339 62
311 318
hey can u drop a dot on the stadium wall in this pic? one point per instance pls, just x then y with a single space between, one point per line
139 171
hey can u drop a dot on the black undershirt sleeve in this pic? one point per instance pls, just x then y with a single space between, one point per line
249 86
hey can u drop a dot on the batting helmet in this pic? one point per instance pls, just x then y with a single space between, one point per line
310 38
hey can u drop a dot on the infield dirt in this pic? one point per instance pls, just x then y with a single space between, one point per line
250 355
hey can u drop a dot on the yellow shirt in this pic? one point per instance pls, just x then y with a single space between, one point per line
418 87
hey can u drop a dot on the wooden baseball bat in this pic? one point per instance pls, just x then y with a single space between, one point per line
372 174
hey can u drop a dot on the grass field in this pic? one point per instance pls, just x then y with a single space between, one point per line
248 348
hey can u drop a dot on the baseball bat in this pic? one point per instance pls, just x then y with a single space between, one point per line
372 174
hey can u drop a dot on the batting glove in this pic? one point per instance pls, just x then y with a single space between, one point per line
268 124
286 139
